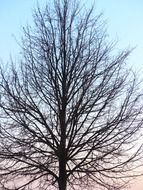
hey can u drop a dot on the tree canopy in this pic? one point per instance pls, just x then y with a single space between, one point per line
71 111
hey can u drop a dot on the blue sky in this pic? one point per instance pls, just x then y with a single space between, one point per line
13 15
124 22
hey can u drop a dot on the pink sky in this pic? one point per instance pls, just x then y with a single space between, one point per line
137 184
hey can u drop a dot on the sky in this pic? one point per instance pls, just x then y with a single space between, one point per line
123 17
124 22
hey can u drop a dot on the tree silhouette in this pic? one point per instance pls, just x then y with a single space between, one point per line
70 112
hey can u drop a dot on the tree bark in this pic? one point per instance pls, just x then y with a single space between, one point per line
62 152
62 163
62 175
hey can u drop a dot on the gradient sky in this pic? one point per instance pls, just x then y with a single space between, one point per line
124 21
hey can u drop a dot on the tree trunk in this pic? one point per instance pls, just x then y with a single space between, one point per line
62 151
62 175
62 165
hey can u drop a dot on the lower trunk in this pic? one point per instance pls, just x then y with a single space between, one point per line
62 175
62 179
62 185
62 149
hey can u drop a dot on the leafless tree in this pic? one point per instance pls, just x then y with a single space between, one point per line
71 112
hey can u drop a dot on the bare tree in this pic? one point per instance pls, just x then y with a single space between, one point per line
71 112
